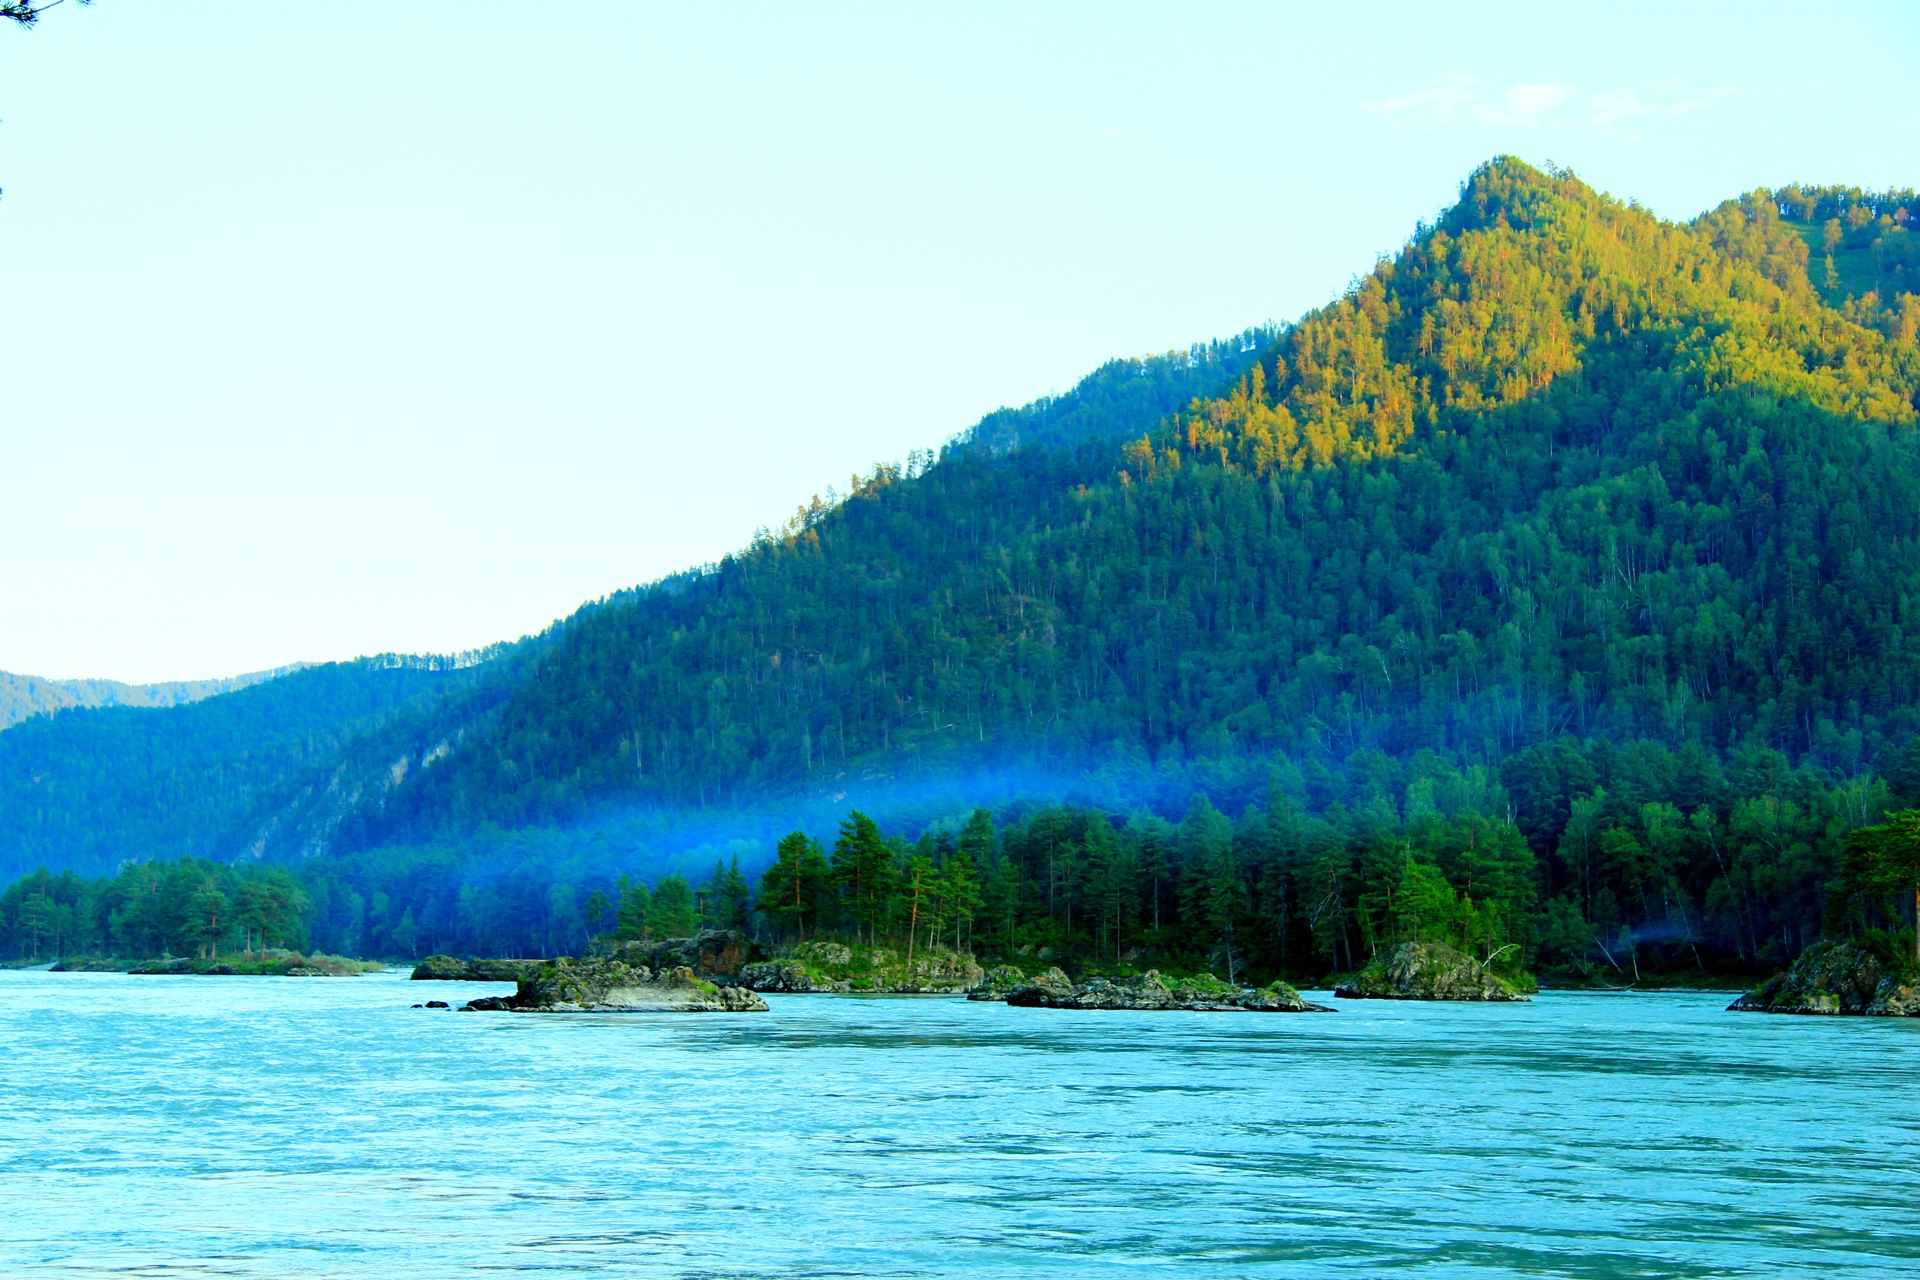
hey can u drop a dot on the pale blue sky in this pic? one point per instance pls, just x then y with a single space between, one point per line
411 326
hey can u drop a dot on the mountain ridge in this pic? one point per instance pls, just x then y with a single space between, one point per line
23 696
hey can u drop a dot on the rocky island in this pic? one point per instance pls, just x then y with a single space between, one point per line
450 969
273 963
1150 991
1428 971
837 967
612 985
1836 978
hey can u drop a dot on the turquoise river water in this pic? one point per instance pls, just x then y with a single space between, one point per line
279 1127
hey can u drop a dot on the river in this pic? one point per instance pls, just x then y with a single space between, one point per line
281 1127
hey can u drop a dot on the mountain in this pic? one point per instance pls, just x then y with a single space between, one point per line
219 777
1557 467
24 696
1563 507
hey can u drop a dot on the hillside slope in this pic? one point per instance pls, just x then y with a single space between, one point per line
87 789
308 766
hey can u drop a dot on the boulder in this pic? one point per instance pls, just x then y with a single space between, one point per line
779 975
1427 971
1835 978
174 966
997 983
717 955
1280 997
91 964
488 1004
1041 989
615 986
1150 991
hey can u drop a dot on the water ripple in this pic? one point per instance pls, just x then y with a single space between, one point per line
187 1128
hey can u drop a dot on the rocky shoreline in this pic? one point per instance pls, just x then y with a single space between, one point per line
1428 971
614 986
274 964
1835 979
1149 991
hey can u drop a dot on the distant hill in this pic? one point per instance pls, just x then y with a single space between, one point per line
23 696
221 777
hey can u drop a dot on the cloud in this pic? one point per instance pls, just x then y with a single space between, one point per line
1618 113
1455 100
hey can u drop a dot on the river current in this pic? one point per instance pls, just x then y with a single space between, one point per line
278 1127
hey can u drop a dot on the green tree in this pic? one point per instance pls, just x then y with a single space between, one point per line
798 887
916 879
595 910
960 890
208 917
863 868
1885 858
672 912
734 896
631 912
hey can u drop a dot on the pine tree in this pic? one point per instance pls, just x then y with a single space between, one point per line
671 913
735 897
631 912
863 868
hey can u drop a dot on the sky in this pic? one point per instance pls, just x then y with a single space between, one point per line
409 328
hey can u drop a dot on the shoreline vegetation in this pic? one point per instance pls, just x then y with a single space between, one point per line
270 963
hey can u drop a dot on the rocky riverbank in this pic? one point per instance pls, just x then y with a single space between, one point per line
451 969
838 967
611 985
1150 991
1428 971
272 964
1836 978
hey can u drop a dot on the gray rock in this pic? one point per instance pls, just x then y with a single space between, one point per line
779 975
1836 979
449 969
998 982
1150 991
614 986
716 955
1427 971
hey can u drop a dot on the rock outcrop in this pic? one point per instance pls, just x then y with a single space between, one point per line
716 955
615 986
271 964
998 983
784 975
838 967
1150 991
1428 971
449 969
1835 978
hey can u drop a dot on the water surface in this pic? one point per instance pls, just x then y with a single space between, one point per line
277 1127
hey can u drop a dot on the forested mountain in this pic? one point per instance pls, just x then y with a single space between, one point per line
23 696
220 777
1557 468
1602 529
